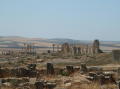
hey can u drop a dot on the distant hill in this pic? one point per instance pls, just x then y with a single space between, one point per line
16 41
70 41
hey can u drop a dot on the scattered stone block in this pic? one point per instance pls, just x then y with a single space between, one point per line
50 85
32 66
39 85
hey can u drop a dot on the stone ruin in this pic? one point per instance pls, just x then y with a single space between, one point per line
116 55
32 66
50 69
44 85
93 74
96 47
70 69
69 49
102 77
30 71
65 48
83 68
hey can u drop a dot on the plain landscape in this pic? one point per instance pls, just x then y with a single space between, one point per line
37 63
59 44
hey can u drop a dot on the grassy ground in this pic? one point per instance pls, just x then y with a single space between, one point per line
93 86
81 86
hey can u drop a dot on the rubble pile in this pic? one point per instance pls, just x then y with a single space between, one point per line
52 78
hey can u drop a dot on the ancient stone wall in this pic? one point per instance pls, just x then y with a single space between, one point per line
116 55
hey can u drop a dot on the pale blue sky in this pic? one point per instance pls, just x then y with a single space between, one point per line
76 19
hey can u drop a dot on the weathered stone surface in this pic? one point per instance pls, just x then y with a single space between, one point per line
79 51
116 55
109 76
50 85
118 71
70 69
95 69
75 50
39 85
96 47
118 83
14 81
4 72
23 72
102 78
45 85
19 72
65 48
83 68
32 66
50 69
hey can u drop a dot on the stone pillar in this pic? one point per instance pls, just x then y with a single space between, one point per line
65 49
57 48
79 51
96 46
118 71
70 69
83 67
50 69
53 47
75 50
116 55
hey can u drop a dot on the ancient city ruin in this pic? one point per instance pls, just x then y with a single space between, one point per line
61 67
81 49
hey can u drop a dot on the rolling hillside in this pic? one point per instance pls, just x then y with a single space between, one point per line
16 41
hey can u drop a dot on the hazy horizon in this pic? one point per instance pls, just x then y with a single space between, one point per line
73 19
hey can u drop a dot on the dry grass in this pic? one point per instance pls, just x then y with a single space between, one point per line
92 86
80 86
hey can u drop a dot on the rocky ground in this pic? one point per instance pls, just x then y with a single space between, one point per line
76 80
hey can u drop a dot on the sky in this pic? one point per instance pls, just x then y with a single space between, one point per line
74 19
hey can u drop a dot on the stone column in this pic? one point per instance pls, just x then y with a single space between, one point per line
83 67
50 69
96 46
79 51
70 69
